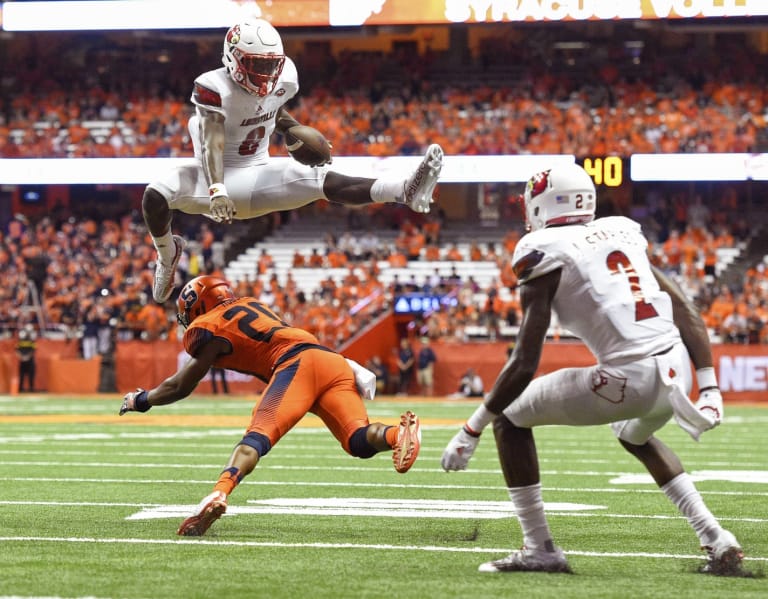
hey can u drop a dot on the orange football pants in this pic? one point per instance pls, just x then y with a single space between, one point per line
316 381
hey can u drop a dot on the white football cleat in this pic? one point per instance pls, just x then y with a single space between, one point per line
529 560
163 284
419 187
724 555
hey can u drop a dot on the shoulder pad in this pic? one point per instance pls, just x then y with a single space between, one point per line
288 84
195 338
210 89
537 254
618 222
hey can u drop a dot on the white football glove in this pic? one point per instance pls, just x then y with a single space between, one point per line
222 208
710 404
129 402
364 379
457 453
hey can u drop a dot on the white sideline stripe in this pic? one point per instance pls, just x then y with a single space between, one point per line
82 504
100 439
178 434
263 483
383 547
734 476
744 476
166 511
342 457
732 443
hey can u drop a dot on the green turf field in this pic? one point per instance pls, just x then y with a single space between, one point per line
89 506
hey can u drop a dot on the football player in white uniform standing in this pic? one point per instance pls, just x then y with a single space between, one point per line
238 106
596 276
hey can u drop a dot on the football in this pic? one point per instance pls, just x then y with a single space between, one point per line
307 145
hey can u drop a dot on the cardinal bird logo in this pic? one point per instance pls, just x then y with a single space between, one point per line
538 183
233 35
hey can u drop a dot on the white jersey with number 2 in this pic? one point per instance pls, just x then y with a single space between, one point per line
608 295
249 120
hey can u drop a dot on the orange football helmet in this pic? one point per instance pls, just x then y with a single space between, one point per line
200 295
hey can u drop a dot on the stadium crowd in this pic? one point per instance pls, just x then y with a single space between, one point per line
696 102
93 275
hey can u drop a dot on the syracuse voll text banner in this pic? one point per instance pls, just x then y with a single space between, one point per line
207 14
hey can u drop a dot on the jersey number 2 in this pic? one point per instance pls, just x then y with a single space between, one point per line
618 259
251 142
250 313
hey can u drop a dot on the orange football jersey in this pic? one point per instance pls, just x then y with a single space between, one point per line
257 336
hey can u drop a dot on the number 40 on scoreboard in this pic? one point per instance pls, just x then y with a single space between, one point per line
608 171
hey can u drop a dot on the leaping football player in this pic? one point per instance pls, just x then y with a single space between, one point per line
237 108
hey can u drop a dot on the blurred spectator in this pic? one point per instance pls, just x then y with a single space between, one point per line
90 339
405 366
698 214
377 367
425 368
316 260
453 253
265 263
349 246
735 328
153 321
299 260
470 385
37 265
26 348
369 245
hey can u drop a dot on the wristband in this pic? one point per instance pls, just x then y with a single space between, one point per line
470 432
217 190
141 402
481 418
706 379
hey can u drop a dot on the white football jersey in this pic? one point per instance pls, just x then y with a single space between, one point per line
249 119
608 295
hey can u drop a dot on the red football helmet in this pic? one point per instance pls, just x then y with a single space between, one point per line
200 295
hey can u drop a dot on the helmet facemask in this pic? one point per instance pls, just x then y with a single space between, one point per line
253 56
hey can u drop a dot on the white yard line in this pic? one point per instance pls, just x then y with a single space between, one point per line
373 485
355 546
398 508
735 466
738 476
